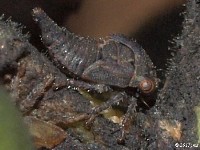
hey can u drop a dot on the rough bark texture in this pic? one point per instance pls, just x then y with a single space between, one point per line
179 97
26 73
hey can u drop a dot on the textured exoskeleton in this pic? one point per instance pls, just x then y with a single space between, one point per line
99 65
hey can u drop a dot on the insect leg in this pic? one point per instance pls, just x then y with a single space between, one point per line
100 88
112 101
127 119
74 119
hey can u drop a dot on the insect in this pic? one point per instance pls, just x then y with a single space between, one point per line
100 65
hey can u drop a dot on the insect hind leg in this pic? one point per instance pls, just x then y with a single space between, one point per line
112 101
127 120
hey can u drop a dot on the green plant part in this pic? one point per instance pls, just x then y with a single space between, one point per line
13 133
197 111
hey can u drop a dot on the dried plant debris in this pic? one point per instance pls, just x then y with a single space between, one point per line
42 92
11 38
44 133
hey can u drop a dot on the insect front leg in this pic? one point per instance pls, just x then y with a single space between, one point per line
100 88
112 101
127 119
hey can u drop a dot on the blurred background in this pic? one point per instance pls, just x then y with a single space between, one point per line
153 23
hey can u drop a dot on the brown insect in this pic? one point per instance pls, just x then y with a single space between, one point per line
101 66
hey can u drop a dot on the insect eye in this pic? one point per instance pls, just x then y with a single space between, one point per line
147 86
